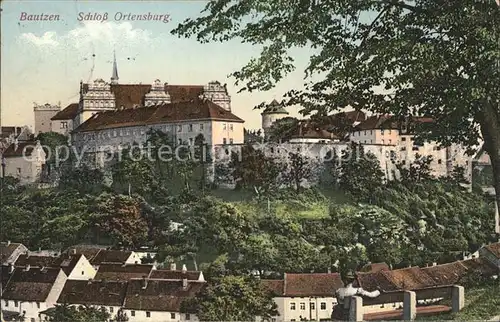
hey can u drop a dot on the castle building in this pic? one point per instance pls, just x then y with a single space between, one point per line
43 116
271 114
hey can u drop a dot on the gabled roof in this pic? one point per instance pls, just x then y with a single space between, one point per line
7 249
446 274
494 249
275 108
371 281
93 292
86 250
19 150
158 114
68 113
314 284
66 262
175 275
111 256
480 265
159 295
122 272
31 285
130 95
411 278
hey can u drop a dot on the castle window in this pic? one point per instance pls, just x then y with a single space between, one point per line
201 126
230 127
440 161
179 128
114 133
64 125
224 126
403 139
190 128
224 141
230 141
382 131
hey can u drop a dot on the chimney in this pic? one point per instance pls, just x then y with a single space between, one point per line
184 283
329 270
73 251
184 269
173 267
434 264
11 268
144 282
8 243
28 266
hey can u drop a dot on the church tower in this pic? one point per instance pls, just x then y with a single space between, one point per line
114 76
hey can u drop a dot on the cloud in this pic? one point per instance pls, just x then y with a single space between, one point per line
47 39
91 32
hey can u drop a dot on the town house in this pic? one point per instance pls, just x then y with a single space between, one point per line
74 266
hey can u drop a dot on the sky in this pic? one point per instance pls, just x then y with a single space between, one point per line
44 61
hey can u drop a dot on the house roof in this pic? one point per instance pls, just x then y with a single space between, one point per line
275 108
494 249
20 149
310 132
88 251
175 275
159 295
31 285
7 249
122 272
314 284
5 275
93 292
387 121
110 256
130 95
371 281
446 274
276 287
411 278
375 267
68 113
66 262
158 114
480 265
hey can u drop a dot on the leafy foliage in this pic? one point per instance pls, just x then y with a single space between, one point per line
233 298
66 313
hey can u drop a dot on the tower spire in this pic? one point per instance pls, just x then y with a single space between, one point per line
114 77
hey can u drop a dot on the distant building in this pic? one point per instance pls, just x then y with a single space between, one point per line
74 266
491 253
11 251
271 114
24 161
43 115
304 296
62 122
30 291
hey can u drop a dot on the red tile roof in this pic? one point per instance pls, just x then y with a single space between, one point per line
314 284
93 292
412 278
494 249
389 122
375 267
130 95
142 116
33 285
88 251
371 281
19 150
446 274
111 256
66 262
159 295
122 272
276 287
174 275
480 265
68 113
305 131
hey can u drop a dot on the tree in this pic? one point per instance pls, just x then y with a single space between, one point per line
67 313
252 169
283 129
427 58
119 217
82 179
233 298
298 169
360 172
51 141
